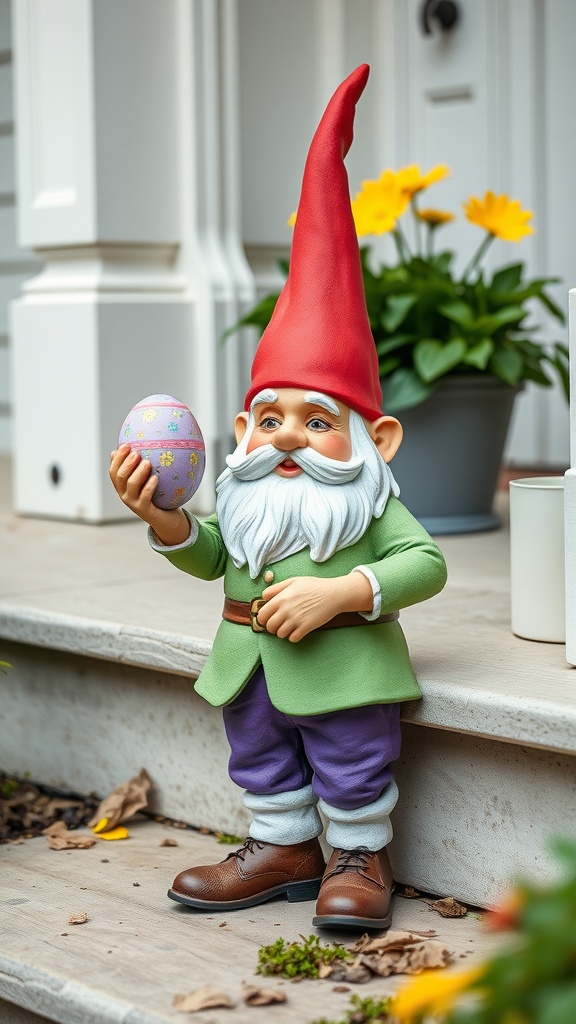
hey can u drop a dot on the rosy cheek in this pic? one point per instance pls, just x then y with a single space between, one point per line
335 446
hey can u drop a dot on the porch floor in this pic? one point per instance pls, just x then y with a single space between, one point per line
137 949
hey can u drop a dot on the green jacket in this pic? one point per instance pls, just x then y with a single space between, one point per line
329 669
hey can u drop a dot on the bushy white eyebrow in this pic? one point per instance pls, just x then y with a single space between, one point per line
264 397
317 398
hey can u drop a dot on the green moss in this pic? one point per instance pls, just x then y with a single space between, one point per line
228 838
363 1011
298 959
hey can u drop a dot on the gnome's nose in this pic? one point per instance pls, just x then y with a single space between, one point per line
288 436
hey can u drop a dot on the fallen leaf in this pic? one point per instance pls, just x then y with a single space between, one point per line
341 988
168 842
205 998
449 907
393 953
254 995
115 833
79 918
59 838
410 893
123 802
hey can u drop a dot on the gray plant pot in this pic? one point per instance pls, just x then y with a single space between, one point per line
448 464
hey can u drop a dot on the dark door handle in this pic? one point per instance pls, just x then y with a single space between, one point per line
444 12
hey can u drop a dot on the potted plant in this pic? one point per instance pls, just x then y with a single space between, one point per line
454 348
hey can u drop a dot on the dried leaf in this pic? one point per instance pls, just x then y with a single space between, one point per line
355 972
410 893
383 943
449 907
255 995
168 842
205 998
79 918
396 953
123 802
59 838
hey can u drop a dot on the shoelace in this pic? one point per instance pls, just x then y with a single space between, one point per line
247 847
353 860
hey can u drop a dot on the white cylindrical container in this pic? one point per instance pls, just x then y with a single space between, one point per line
537 558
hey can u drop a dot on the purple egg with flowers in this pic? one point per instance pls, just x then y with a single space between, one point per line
164 431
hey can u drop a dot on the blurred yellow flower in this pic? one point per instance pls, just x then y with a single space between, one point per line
435 217
500 216
378 205
412 181
431 992
291 220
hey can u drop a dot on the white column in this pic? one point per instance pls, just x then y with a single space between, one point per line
570 499
126 183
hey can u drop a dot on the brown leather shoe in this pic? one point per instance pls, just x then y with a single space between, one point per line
253 874
356 890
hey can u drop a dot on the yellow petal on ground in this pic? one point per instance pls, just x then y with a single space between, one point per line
101 825
115 833
432 992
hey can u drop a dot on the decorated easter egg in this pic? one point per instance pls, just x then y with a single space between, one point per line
164 431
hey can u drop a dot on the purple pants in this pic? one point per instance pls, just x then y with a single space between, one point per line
345 755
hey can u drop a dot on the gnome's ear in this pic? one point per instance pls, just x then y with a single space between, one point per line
240 426
386 433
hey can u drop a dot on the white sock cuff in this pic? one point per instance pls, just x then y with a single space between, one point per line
290 800
284 818
368 826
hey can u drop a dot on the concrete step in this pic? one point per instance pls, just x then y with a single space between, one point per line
138 949
105 639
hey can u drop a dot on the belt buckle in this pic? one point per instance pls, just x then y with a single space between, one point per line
255 605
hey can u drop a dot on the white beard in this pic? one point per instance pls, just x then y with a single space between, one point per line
264 517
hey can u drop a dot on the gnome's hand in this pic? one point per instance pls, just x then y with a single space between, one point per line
303 603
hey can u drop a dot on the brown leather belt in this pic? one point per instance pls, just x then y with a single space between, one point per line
245 613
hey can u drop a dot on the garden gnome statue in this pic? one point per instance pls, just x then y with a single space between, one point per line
318 555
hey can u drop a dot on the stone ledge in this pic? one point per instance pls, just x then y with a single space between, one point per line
486 711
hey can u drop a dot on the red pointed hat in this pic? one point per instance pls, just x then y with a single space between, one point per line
319 336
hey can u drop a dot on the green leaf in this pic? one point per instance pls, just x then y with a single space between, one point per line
459 312
403 390
396 311
433 359
560 1007
387 366
480 353
396 341
490 323
507 363
507 279
283 266
260 316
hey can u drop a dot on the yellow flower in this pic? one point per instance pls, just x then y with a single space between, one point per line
435 217
193 458
292 219
378 205
500 216
166 459
431 992
412 181
148 415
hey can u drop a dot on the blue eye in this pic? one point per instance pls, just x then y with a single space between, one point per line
269 423
318 424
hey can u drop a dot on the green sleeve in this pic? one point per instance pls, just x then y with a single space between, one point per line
410 566
206 557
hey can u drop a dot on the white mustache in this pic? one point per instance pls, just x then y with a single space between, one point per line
263 460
